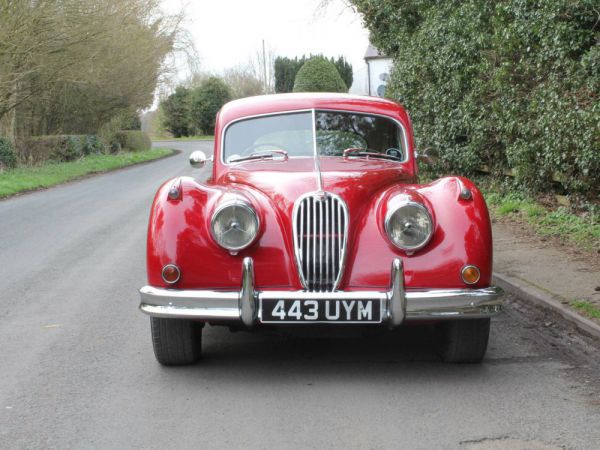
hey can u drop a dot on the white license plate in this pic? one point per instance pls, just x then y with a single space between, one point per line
320 311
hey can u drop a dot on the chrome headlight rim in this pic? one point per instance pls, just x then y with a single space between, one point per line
390 213
238 203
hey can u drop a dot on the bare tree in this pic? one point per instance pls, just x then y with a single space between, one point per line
79 62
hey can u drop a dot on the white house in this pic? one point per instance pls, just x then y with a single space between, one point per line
372 78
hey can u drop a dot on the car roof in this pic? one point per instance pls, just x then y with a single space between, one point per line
268 104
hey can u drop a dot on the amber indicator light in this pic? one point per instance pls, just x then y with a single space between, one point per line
171 273
470 274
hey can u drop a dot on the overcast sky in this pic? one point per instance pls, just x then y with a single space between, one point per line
229 32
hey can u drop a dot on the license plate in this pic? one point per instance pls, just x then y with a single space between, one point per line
319 311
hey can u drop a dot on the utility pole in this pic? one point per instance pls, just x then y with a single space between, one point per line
264 61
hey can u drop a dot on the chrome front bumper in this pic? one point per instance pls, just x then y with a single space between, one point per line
399 305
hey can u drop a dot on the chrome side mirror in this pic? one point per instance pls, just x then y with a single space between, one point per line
198 159
427 156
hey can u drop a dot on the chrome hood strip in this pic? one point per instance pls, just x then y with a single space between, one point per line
316 152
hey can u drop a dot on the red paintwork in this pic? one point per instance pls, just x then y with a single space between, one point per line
179 229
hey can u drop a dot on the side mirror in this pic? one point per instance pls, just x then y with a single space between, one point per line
427 156
198 159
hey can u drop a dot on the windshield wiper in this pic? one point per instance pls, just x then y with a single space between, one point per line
260 156
365 152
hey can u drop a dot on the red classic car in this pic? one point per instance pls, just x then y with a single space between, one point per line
314 214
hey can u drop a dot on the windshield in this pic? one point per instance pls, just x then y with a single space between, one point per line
335 132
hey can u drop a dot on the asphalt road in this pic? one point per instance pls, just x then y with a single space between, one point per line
77 368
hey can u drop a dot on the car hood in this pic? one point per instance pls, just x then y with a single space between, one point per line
283 182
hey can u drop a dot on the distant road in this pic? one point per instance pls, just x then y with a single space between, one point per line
77 369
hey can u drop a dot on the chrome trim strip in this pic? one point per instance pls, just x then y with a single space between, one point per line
316 152
400 305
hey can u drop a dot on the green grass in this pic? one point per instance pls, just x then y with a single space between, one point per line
29 178
182 139
583 230
587 308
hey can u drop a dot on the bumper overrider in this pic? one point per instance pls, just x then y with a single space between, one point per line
398 304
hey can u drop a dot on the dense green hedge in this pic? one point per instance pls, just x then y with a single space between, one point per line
511 84
318 74
59 148
131 141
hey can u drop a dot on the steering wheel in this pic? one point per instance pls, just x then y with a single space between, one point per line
273 145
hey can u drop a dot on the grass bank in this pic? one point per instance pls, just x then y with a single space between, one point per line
24 179
182 139
582 229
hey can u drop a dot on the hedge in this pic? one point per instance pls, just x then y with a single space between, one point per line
318 74
58 148
131 141
511 84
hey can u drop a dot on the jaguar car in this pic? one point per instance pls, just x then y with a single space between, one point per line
313 216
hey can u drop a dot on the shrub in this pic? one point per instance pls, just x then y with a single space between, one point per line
92 144
129 120
176 112
206 100
511 84
59 148
8 159
319 75
131 141
286 70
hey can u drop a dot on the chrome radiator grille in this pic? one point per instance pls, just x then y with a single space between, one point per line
320 235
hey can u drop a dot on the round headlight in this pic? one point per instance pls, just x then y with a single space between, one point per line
409 226
234 225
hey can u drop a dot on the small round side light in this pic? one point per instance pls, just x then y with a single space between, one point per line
470 274
466 194
171 274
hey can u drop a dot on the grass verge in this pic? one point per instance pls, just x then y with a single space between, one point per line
25 179
182 139
586 308
581 229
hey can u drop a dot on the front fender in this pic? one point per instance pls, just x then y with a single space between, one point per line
179 233
462 236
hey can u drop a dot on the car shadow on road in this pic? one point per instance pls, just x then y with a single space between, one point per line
369 356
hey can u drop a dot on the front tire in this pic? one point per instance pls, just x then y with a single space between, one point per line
463 341
176 342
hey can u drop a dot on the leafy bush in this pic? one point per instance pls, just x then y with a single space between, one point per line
92 144
131 141
511 84
319 75
129 120
206 100
286 70
176 112
8 159
59 148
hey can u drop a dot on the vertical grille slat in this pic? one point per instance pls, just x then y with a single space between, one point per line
320 230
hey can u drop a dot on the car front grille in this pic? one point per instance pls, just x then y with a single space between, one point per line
320 237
